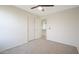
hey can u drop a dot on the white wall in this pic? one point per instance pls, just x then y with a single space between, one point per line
14 27
63 27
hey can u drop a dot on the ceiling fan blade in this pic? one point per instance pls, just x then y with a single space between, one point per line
35 7
42 6
46 5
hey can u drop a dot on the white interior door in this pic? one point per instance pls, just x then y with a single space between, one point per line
31 27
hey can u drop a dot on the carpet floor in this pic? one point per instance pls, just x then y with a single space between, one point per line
42 46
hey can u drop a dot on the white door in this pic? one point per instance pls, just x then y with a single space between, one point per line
31 27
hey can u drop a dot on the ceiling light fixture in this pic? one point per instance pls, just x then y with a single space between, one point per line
40 8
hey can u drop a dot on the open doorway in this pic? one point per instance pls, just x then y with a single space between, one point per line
44 24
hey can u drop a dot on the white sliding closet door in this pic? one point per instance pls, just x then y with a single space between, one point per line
31 27
38 27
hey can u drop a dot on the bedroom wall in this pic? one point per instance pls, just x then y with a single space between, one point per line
14 27
63 27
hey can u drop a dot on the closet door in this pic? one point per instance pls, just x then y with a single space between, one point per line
38 27
31 27
34 27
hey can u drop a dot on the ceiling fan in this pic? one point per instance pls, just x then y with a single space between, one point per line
40 7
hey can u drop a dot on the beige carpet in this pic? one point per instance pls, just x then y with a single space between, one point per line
42 46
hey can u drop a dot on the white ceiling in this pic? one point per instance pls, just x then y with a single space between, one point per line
48 10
